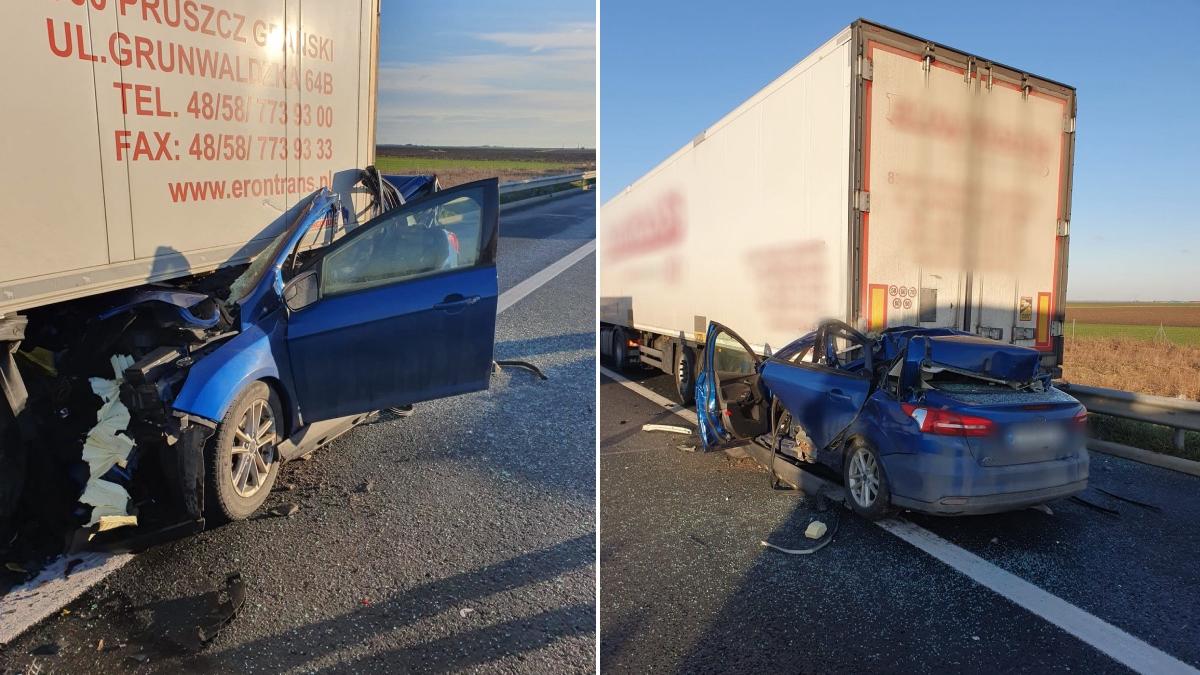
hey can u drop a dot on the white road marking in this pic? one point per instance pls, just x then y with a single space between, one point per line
513 295
46 593
626 452
1103 636
49 591
655 397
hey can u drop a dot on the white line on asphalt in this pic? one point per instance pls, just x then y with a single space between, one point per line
650 394
626 452
46 593
49 591
1107 638
1100 634
511 296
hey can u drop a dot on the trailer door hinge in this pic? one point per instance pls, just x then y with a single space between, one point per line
862 201
1069 125
865 68
1064 228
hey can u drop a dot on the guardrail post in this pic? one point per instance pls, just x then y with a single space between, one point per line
1179 438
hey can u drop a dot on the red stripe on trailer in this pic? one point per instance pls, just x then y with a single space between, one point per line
866 183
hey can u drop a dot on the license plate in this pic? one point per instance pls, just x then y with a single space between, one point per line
1037 436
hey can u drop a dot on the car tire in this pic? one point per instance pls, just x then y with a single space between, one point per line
866 484
685 375
242 458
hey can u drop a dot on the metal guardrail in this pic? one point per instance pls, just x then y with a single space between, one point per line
1181 415
547 181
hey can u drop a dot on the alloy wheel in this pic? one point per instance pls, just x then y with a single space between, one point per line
864 477
253 449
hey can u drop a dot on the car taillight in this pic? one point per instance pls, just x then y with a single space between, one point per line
946 423
1080 419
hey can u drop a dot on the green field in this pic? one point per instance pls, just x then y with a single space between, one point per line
1180 335
414 164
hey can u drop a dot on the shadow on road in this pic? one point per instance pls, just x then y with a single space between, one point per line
463 649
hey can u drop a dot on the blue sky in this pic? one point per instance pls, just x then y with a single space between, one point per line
472 72
671 68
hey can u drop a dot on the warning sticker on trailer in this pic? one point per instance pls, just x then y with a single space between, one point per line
1025 309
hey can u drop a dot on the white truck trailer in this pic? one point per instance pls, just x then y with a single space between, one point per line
884 180
151 139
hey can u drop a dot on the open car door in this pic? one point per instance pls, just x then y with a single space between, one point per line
731 405
401 309
825 386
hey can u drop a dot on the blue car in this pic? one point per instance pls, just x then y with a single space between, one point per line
331 322
926 419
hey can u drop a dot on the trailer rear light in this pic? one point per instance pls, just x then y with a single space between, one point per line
946 423
631 343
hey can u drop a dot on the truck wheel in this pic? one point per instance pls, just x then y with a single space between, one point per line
866 484
242 459
620 349
685 375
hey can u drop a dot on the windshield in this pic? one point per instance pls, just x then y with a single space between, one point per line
244 284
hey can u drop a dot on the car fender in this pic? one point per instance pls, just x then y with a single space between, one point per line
215 380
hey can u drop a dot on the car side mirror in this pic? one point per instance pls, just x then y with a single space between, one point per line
302 291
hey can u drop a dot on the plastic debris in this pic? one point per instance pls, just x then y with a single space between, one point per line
1130 500
1096 507
190 623
113 522
815 530
465 611
686 448
671 428
285 510
821 543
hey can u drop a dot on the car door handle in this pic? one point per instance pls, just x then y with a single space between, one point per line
838 394
456 302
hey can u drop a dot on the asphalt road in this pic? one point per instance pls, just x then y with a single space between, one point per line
460 537
685 585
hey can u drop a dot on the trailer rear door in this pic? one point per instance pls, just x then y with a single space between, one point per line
964 192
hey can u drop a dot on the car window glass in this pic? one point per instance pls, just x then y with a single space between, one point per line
438 235
730 357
